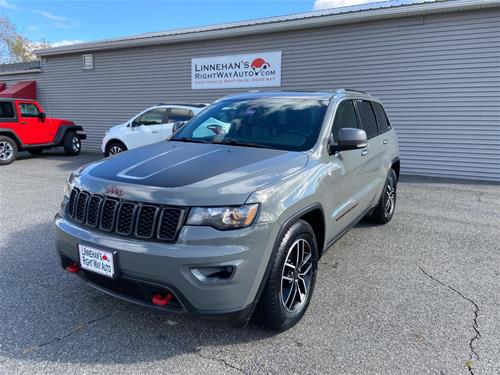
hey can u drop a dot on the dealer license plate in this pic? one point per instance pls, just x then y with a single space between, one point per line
96 260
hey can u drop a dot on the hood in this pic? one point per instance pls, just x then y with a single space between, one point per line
180 173
118 127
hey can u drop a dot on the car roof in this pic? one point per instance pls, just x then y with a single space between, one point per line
12 99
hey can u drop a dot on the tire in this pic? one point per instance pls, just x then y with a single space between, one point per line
114 148
8 150
72 144
35 151
277 309
384 210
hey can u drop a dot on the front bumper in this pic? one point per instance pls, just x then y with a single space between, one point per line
169 266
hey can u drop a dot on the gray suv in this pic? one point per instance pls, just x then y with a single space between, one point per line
229 216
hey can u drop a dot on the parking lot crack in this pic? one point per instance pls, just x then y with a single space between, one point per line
78 328
473 354
224 362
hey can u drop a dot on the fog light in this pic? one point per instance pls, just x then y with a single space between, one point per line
213 274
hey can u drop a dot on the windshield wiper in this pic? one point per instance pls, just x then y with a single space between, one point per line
232 142
190 140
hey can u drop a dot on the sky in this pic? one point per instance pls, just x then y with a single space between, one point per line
64 22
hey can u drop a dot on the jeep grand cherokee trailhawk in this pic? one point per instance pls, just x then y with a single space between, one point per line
230 215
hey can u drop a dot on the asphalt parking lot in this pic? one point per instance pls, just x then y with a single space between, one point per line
418 296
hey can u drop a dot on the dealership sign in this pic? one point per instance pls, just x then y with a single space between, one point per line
251 70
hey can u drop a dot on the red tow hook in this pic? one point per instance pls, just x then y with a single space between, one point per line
160 300
73 267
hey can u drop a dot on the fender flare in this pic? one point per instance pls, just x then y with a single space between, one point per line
292 219
63 129
12 134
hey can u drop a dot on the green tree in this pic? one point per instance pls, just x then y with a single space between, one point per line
15 47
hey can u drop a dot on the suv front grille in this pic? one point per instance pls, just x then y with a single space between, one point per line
125 218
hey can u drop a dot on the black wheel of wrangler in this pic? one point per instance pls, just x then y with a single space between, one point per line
8 150
384 211
72 144
115 148
35 151
290 284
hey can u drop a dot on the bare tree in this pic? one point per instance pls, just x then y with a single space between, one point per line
15 47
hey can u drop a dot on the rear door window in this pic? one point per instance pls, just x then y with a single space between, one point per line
6 110
367 116
345 117
179 114
382 121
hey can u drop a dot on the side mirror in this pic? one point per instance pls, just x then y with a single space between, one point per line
42 116
349 139
135 123
177 125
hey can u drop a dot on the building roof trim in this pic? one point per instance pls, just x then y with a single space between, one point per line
342 15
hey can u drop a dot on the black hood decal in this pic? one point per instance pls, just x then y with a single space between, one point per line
177 164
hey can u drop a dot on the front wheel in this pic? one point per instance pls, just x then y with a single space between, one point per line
115 148
290 284
8 150
384 210
72 144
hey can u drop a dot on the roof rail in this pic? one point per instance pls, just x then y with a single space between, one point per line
197 105
362 92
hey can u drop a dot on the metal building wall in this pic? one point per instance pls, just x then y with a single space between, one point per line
438 75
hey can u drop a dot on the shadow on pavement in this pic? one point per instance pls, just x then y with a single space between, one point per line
50 315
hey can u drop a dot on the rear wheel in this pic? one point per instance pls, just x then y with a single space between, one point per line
384 211
72 144
115 148
290 285
35 151
8 150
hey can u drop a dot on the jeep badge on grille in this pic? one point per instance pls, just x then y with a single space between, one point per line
114 190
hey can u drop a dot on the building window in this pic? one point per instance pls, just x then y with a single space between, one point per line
88 62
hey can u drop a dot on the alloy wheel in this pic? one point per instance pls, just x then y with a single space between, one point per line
296 276
115 150
390 197
76 144
6 151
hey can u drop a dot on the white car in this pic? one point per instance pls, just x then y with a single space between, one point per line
149 126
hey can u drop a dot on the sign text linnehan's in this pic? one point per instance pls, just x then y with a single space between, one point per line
250 70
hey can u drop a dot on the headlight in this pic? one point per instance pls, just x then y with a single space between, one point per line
70 182
223 217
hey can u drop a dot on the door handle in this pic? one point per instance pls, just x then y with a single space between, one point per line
364 152
24 123
386 141
155 131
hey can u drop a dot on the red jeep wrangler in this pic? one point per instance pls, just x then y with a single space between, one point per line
24 126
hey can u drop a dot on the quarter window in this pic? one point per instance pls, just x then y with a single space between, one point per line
152 117
29 110
345 117
382 121
179 114
6 110
368 122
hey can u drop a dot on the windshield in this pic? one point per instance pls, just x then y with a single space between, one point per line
281 123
